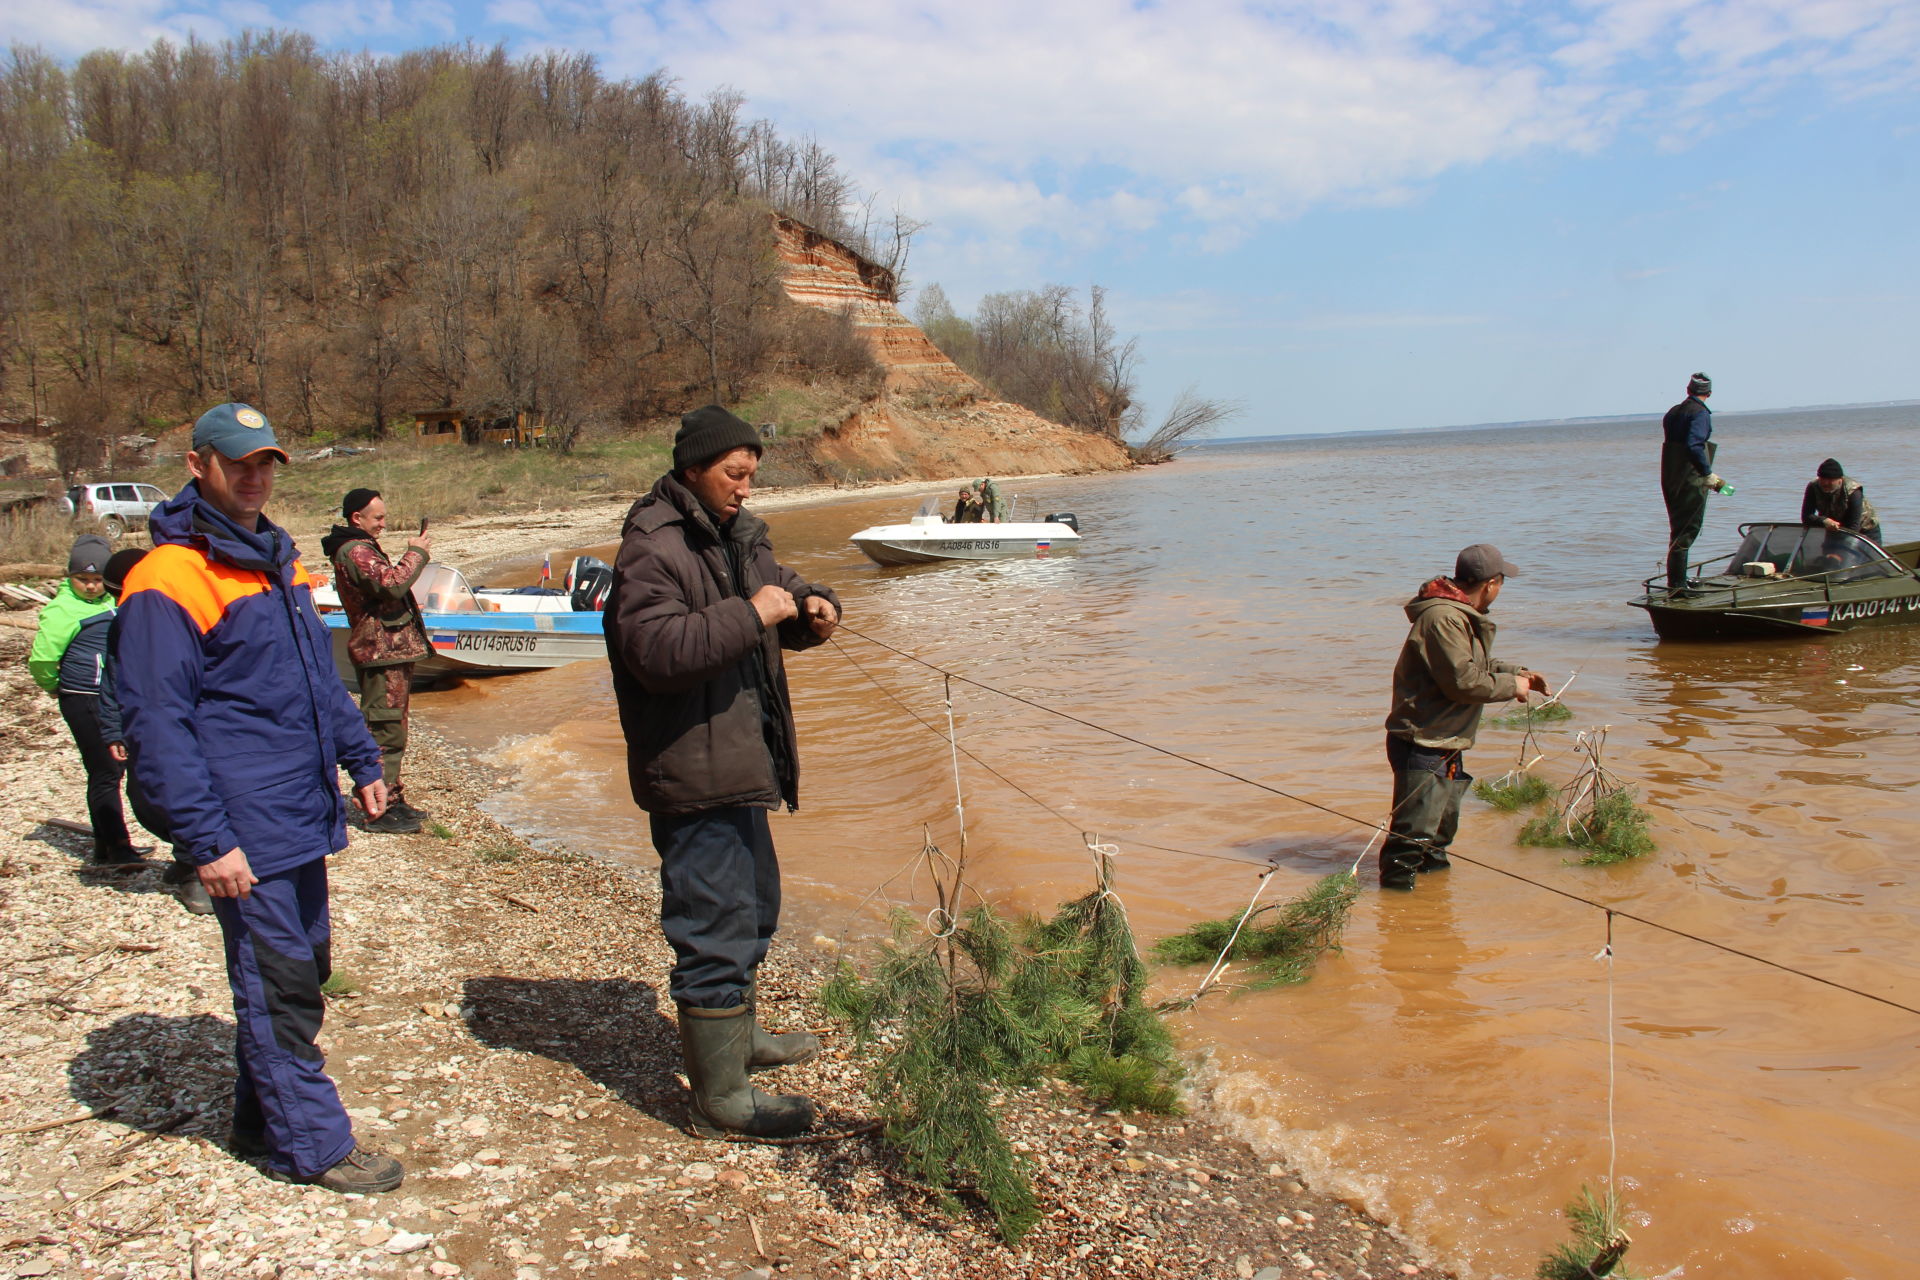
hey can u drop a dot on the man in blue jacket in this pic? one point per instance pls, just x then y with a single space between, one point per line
1686 473
236 725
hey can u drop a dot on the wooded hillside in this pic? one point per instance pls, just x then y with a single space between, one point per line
343 239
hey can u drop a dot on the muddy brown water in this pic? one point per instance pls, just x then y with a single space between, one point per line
1449 1068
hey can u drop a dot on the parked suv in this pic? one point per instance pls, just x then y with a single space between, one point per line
118 505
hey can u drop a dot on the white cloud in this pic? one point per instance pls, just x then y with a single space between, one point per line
1083 120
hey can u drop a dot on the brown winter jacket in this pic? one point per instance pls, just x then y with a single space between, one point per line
1446 671
680 637
384 627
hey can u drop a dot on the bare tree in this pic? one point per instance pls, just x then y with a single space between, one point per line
1190 419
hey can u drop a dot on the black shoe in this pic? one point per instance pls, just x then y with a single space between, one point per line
408 811
120 855
247 1143
395 823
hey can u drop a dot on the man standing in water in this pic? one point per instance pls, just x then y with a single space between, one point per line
695 623
1446 673
236 727
385 637
1686 473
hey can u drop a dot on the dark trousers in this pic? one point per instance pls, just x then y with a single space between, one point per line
1686 498
385 693
719 901
81 711
1427 789
279 951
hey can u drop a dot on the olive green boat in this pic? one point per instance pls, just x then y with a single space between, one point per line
1790 579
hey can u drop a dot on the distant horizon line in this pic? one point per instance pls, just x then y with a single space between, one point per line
1537 422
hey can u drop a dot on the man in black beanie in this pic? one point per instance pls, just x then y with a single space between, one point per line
1686 474
695 623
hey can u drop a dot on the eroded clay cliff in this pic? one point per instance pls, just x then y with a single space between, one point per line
930 417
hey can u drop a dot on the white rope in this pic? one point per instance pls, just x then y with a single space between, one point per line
953 748
1606 955
1220 965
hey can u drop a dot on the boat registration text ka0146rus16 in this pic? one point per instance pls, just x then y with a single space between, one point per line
479 643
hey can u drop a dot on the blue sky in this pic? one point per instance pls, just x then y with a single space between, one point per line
1347 214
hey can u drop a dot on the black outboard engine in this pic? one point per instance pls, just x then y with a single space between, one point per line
1066 518
592 580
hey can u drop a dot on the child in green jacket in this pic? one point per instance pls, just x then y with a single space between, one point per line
67 655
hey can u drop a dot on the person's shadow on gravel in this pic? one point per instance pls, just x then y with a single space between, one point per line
159 1074
610 1028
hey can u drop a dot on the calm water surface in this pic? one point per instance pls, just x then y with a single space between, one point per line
1449 1068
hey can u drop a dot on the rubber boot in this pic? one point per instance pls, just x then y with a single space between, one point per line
1434 857
1421 801
714 1044
777 1048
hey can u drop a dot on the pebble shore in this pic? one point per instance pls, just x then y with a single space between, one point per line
507 1035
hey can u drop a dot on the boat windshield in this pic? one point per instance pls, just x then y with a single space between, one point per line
441 589
930 506
1800 551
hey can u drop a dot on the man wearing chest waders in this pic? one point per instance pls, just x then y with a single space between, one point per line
1446 673
696 620
1686 474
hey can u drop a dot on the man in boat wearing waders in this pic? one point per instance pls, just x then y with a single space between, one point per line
695 622
1446 673
236 726
385 635
1686 475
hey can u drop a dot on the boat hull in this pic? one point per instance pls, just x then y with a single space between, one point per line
486 644
1732 614
922 544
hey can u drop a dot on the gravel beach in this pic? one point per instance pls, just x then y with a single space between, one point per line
505 1035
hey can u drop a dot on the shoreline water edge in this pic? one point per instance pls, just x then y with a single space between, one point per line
500 1025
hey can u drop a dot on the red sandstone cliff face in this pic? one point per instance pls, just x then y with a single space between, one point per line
931 418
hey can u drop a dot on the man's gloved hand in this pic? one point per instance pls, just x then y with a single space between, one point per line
1715 483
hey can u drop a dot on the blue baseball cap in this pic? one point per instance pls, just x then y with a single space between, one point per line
236 431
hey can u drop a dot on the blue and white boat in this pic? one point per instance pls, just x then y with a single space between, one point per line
476 635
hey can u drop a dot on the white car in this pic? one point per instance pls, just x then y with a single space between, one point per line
118 505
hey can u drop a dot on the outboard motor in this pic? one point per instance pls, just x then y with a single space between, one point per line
1066 518
592 580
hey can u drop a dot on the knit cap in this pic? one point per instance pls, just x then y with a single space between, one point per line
1699 385
708 432
89 554
1831 470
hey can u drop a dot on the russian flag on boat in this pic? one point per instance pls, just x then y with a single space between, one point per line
1815 615
445 642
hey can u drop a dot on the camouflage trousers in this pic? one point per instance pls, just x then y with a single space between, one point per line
383 701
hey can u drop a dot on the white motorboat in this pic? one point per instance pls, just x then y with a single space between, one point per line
929 538
583 590
472 636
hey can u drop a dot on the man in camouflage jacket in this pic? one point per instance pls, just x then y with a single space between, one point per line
386 636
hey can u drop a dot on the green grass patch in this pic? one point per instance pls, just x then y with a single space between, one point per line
1530 716
439 830
498 851
1613 830
1512 794
340 983
1281 942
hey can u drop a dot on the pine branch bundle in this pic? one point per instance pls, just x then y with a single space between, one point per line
1596 812
950 1020
1528 716
1283 947
1513 792
1598 1245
